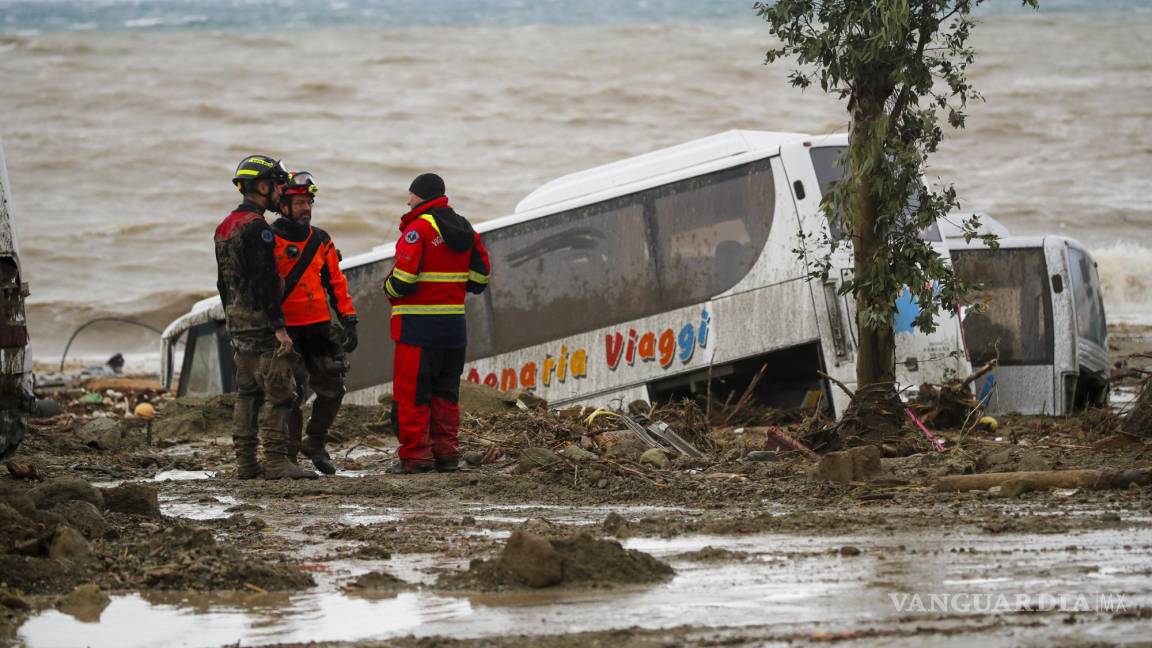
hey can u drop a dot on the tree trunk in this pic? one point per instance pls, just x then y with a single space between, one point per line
876 414
876 355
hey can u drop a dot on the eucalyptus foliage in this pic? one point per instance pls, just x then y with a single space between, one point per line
901 66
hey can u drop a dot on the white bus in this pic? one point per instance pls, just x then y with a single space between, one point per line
1042 319
639 280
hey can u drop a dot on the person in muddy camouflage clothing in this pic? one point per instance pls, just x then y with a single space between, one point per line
250 290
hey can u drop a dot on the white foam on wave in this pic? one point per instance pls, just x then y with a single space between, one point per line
1126 278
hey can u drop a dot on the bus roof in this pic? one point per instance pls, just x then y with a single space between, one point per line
644 168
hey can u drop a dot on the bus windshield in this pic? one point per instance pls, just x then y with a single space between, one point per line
829 171
1015 322
1090 322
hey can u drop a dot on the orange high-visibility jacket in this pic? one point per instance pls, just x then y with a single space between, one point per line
322 284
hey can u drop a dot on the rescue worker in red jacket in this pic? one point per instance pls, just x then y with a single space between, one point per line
309 264
439 258
250 293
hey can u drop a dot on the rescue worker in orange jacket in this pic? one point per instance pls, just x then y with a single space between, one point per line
309 264
250 293
439 258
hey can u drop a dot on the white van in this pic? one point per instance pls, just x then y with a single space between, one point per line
639 280
1042 318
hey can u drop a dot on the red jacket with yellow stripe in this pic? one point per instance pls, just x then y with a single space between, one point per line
439 259
321 283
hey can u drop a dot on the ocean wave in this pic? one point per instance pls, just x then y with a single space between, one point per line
161 22
1124 277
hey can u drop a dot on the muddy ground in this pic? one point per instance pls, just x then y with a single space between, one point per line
559 528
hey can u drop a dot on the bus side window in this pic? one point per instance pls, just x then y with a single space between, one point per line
571 272
711 230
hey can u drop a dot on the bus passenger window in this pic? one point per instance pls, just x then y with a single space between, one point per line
571 272
711 230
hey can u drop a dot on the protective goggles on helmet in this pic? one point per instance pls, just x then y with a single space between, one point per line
300 183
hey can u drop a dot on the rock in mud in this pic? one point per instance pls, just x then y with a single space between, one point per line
589 560
21 534
84 517
614 524
856 464
378 581
533 458
576 453
762 455
715 554
655 457
66 489
1032 462
23 470
628 447
530 560
84 603
104 434
136 499
69 544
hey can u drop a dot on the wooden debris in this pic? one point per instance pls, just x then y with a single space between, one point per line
1045 479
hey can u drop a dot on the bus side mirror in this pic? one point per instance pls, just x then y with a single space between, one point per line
1057 284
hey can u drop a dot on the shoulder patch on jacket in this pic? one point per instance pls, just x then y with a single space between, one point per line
266 235
412 236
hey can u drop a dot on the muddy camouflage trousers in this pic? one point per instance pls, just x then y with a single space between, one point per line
323 373
265 395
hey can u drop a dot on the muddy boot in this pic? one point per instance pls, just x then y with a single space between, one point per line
276 463
314 450
244 439
400 467
447 464
324 410
277 466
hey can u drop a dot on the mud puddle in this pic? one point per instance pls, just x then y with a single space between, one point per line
938 578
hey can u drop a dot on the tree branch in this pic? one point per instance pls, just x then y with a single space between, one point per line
906 92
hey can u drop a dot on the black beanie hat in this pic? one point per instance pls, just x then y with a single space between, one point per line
427 186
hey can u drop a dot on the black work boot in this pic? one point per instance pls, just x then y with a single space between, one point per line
447 464
313 448
401 467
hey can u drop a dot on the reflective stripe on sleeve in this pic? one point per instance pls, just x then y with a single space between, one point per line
477 277
406 277
443 277
428 309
